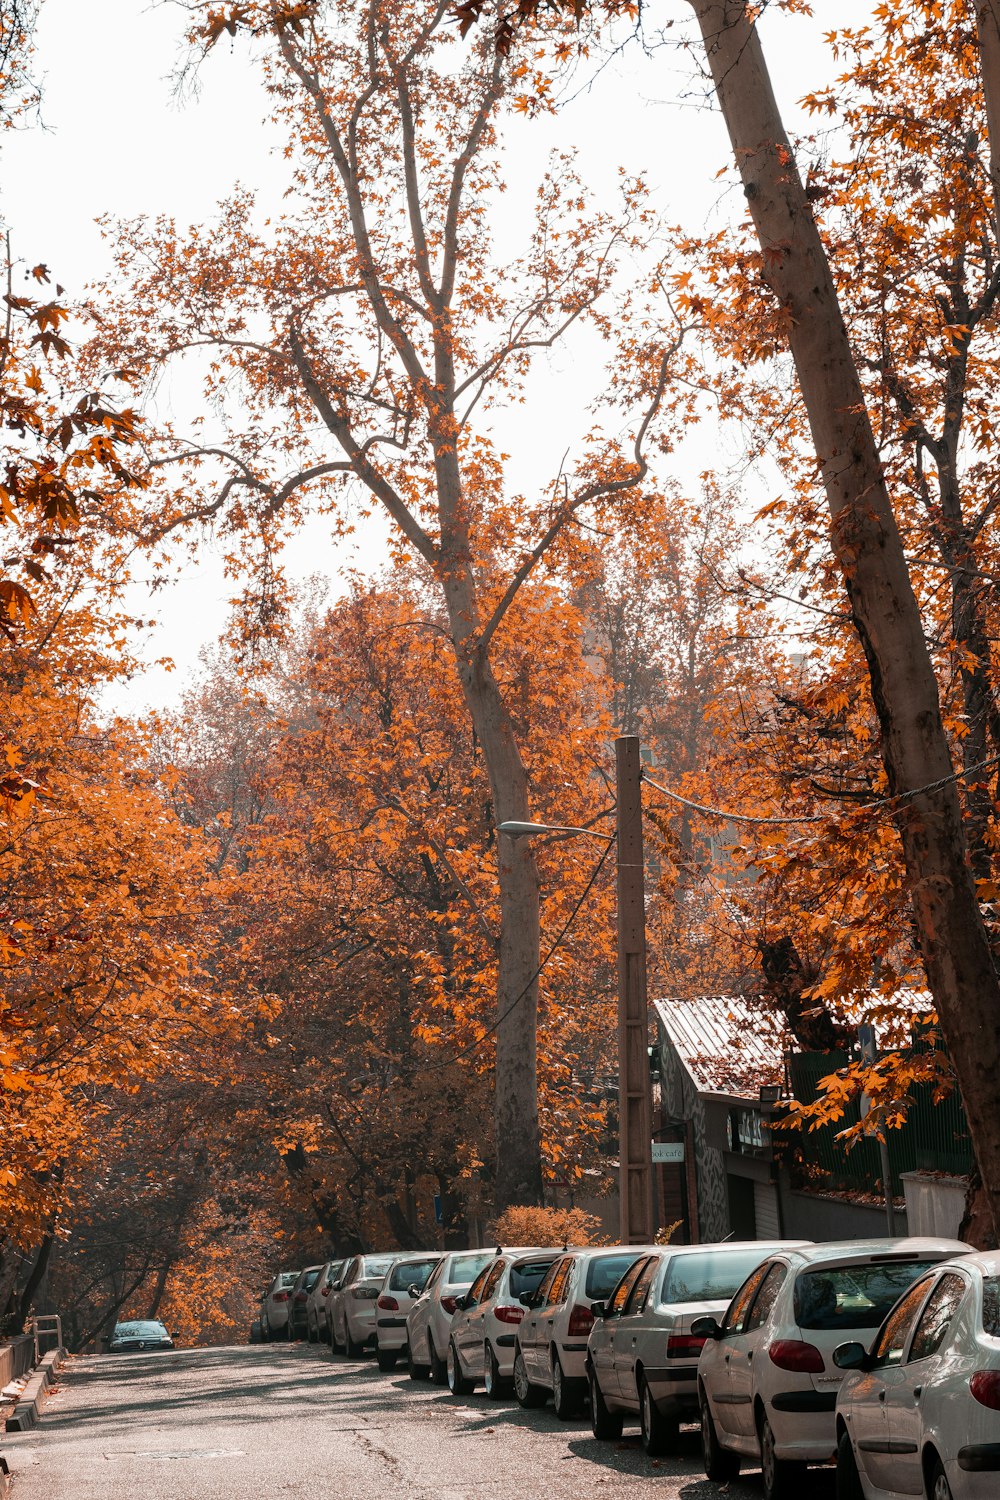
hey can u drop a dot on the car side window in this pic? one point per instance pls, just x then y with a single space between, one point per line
760 1309
935 1320
435 1276
891 1341
640 1291
738 1308
492 1279
475 1293
542 1294
350 1272
557 1287
620 1294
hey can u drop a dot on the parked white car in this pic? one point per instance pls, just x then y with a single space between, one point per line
484 1327
766 1377
428 1323
316 1323
550 1355
919 1412
642 1355
274 1305
402 1285
352 1304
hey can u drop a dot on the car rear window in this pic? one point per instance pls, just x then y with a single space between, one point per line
465 1268
376 1267
288 1278
858 1296
411 1273
528 1275
605 1272
310 1279
709 1275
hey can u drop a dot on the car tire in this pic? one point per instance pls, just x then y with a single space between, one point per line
386 1359
415 1371
527 1393
781 1480
939 1489
605 1425
458 1383
354 1349
310 1333
720 1464
567 1395
439 1367
336 1347
660 1434
848 1478
497 1386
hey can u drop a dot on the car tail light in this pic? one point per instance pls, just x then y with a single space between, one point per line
795 1354
450 1304
364 1293
388 1304
281 1296
684 1346
985 1386
508 1314
581 1321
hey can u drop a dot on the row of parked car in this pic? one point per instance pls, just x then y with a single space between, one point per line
882 1356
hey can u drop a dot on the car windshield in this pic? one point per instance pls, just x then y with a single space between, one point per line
605 1272
411 1273
853 1296
376 1266
528 1275
310 1279
288 1278
465 1268
139 1330
708 1275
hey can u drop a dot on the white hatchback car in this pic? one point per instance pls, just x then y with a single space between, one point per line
352 1304
403 1284
483 1329
428 1323
919 1413
642 1356
766 1378
274 1305
316 1324
550 1356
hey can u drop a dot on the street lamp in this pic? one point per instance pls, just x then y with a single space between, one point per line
635 1171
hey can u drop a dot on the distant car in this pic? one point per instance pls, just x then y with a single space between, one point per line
274 1305
316 1324
403 1284
766 1377
550 1355
484 1327
298 1299
143 1333
352 1304
918 1413
642 1355
428 1323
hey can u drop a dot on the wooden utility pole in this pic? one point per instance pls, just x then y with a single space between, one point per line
635 1171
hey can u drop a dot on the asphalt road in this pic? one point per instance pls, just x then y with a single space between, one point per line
274 1420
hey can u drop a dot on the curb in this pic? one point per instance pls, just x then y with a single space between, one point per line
32 1398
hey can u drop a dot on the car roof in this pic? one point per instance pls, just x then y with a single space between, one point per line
418 1257
766 1247
986 1262
844 1251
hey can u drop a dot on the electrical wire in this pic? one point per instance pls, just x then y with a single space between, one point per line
734 817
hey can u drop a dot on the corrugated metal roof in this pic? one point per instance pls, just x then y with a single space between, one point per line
727 1045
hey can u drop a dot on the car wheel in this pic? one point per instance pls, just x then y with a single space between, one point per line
458 1383
567 1395
659 1433
336 1345
415 1371
720 1465
439 1369
528 1394
848 1478
781 1480
940 1488
497 1385
354 1349
386 1359
605 1424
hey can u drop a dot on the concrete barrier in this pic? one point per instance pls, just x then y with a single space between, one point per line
32 1398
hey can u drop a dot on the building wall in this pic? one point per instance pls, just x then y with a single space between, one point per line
680 1099
810 1216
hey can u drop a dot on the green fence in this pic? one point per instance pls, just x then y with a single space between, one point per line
934 1138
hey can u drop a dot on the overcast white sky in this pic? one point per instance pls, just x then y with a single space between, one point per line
116 141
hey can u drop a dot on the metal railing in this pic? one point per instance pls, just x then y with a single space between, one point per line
46 1326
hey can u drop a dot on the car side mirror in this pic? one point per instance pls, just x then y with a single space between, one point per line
599 1309
527 1299
462 1302
414 1291
852 1356
706 1328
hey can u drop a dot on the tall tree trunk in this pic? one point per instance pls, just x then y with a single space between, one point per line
988 30
36 1276
866 543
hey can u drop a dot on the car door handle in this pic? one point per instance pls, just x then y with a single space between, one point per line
881 1395
750 1354
917 1392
